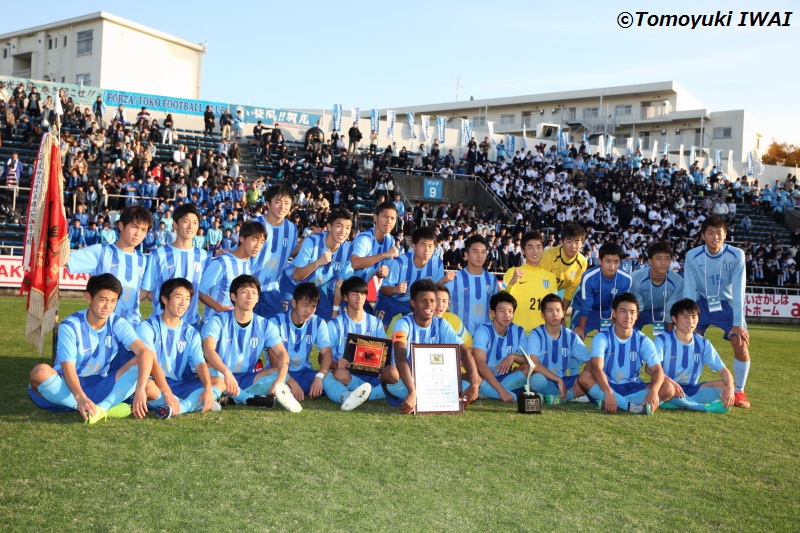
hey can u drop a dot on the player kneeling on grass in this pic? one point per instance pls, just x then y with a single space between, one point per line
495 348
232 344
551 347
341 386
301 330
684 353
421 327
87 344
612 375
181 380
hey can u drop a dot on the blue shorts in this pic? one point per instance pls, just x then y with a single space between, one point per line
387 308
592 323
304 377
245 379
551 387
628 389
184 387
97 388
722 319
691 390
270 303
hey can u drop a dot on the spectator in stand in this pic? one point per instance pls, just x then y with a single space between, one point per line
354 136
225 123
208 121
238 125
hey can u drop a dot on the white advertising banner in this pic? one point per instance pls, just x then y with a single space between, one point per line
11 275
772 305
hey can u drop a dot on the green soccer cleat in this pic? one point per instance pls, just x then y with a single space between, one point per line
121 410
552 399
99 414
716 407
667 405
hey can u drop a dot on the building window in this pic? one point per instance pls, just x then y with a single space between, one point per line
50 43
83 79
65 41
478 122
722 133
570 114
506 119
526 119
622 110
5 53
84 42
590 112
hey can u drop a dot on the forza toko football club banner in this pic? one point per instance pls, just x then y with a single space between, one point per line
391 118
412 125
337 117
440 127
426 127
375 121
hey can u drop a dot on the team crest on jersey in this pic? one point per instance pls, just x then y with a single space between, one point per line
109 342
728 266
308 339
140 270
634 355
697 357
181 346
337 265
546 283
572 275
285 243
565 353
253 342
613 291
509 350
198 267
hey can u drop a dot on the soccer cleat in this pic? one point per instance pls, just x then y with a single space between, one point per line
581 399
99 414
226 401
716 407
357 397
552 399
601 405
740 399
667 405
641 408
216 406
283 394
261 401
162 411
121 410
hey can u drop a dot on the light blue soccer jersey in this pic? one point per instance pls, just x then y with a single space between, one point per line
622 360
684 362
268 265
91 350
339 327
177 349
365 245
169 262
240 347
656 300
403 269
596 292
555 354
312 248
128 268
497 347
721 275
439 332
216 280
300 341
469 297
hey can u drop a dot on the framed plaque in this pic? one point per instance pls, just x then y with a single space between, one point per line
436 369
367 355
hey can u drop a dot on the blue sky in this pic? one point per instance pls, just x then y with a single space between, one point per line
312 54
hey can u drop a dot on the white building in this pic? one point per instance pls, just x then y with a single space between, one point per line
106 51
664 112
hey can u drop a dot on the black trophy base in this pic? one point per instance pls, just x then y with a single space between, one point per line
529 403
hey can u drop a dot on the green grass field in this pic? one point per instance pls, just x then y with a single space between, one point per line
491 469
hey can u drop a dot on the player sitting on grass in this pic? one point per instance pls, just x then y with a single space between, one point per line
340 385
216 281
612 375
122 260
87 344
551 346
421 327
496 346
684 353
232 344
530 283
301 330
181 380
442 311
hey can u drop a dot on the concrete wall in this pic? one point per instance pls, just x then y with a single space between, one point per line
453 191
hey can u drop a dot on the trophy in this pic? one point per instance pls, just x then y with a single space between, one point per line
529 402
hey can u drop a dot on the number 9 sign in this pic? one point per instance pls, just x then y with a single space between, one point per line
432 189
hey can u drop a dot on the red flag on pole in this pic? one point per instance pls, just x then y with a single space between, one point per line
46 241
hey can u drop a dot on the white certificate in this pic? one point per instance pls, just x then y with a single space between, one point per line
437 377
